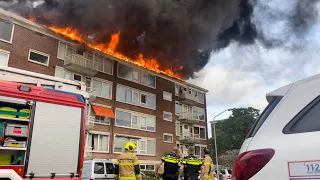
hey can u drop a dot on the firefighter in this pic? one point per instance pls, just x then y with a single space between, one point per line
127 164
207 165
171 164
191 165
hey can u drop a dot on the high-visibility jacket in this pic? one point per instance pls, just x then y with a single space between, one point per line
191 168
171 163
208 168
127 167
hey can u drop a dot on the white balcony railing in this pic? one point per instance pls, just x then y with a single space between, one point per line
87 151
185 95
189 116
82 61
189 136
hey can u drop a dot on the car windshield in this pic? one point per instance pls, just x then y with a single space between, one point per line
230 171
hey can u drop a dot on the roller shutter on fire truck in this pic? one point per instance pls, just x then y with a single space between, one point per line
55 140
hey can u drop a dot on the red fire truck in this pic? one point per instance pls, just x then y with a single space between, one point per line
41 132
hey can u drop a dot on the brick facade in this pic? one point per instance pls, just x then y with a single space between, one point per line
25 39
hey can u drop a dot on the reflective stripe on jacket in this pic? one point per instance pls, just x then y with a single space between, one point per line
128 165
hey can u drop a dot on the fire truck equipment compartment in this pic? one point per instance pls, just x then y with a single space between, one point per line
16 130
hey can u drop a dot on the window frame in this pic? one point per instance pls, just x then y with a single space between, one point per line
168 113
140 116
41 53
89 114
8 53
145 167
200 127
167 134
140 74
167 93
98 134
139 92
137 139
11 38
299 117
102 81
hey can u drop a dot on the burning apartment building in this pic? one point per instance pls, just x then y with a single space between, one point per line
128 100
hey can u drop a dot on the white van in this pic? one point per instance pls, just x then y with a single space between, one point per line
101 169
284 143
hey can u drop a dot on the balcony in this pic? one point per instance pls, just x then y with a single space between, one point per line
89 122
186 97
82 65
187 118
189 138
87 152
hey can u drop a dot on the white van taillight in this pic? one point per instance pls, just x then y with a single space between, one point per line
249 163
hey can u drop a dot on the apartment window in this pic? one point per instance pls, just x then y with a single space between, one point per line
98 142
147 167
168 138
199 150
4 58
201 97
167 96
98 119
167 116
199 132
144 146
107 66
102 88
125 72
6 31
198 113
176 90
62 73
148 80
62 50
77 77
132 74
177 108
135 97
135 120
39 57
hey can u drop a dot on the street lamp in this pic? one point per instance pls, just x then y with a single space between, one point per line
215 139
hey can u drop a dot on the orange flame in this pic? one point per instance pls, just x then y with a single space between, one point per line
31 18
151 64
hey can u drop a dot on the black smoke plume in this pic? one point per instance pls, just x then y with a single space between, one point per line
175 32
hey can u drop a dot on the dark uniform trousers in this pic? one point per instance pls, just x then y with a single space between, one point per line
171 166
191 168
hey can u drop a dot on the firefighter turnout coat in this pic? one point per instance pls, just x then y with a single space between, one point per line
208 168
127 167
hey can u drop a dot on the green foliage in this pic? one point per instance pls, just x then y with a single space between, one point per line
232 132
150 175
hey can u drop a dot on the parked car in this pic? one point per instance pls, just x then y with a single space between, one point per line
226 174
283 143
220 175
98 169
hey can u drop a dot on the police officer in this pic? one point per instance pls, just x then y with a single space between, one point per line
207 165
127 164
171 164
191 166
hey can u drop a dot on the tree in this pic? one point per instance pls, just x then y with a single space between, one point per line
232 131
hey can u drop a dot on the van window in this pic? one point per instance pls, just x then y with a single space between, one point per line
307 120
264 115
110 168
98 168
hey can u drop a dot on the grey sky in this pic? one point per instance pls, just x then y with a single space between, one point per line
240 76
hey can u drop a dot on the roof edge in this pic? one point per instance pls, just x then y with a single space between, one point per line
23 22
